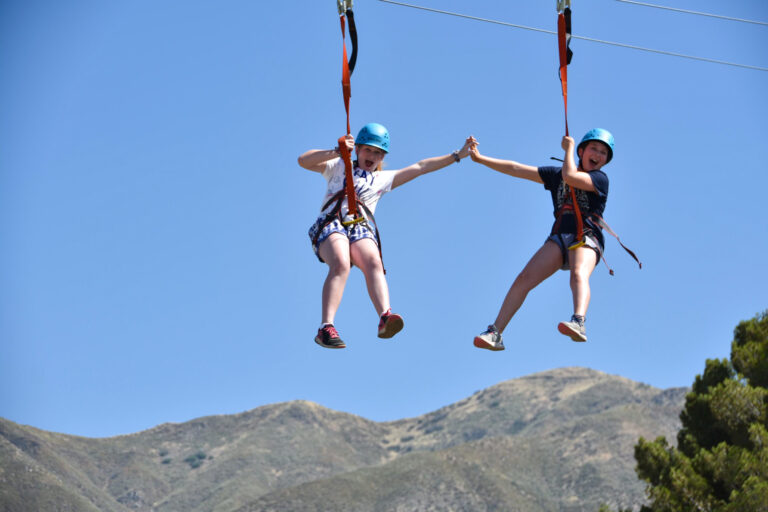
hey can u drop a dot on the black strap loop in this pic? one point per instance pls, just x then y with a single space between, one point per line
352 39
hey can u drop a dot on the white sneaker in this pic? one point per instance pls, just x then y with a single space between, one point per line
573 329
490 339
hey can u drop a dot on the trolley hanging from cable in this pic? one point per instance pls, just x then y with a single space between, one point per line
565 53
347 67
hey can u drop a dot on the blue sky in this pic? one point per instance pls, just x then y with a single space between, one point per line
154 262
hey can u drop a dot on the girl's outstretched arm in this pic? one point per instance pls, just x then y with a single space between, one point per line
421 167
314 159
509 167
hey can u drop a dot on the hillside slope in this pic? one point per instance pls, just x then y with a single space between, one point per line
556 440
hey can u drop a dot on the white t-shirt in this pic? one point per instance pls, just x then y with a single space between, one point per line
369 186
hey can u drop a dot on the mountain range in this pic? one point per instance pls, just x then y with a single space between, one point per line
560 440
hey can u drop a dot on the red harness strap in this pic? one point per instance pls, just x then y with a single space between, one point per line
563 34
563 48
345 71
573 205
343 150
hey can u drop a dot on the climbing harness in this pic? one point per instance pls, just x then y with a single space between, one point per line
565 53
366 218
347 67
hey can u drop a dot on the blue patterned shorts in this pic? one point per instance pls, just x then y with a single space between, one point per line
355 232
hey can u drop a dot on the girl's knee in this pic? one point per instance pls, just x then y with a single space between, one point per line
366 258
524 281
371 266
339 267
580 275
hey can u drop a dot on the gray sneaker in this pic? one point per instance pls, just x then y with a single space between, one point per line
573 329
489 339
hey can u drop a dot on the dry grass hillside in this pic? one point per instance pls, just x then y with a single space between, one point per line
560 440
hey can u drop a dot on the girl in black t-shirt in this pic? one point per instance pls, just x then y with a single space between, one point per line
563 249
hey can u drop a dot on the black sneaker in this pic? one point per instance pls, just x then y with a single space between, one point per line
328 337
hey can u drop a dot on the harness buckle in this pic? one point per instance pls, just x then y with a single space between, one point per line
344 6
349 220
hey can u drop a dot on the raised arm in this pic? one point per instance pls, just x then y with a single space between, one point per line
431 164
314 159
571 174
509 167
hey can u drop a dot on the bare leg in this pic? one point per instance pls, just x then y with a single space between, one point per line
583 261
365 255
335 252
543 264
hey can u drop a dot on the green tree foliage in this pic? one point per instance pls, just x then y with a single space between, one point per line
749 352
720 463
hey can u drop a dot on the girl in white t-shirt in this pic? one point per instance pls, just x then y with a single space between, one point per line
339 245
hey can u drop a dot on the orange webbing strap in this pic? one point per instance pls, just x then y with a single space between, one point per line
563 33
561 40
346 87
349 186
345 154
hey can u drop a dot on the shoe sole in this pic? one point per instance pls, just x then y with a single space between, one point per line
481 343
567 331
342 345
392 326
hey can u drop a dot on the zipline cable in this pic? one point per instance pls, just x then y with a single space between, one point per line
593 40
693 12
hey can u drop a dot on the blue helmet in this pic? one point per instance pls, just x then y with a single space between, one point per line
374 134
601 135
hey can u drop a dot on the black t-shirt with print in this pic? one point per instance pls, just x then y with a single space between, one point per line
589 202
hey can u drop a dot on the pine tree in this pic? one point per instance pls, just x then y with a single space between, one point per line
720 463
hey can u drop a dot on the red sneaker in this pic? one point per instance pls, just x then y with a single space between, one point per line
390 324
